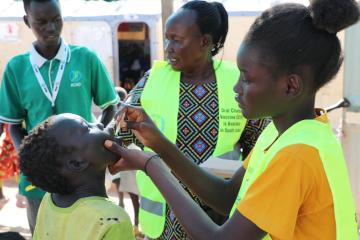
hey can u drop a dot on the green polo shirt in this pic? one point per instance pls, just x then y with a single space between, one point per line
85 79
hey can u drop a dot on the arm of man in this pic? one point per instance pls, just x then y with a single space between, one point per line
11 110
102 88
17 133
107 115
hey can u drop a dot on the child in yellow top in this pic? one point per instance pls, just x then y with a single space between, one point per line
295 183
65 157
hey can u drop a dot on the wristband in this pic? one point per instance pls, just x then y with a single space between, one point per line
147 162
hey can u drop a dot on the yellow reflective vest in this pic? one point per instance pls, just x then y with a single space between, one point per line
320 136
160 100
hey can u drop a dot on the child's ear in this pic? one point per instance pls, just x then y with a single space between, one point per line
77 164
294 85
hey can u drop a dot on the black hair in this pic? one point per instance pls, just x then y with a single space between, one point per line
27 3
295 36
40 160
11 236
211 18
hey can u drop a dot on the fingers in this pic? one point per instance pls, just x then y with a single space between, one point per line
114 148
128 112
118 151
113 169
121 124
120 116
134 125
128 109
120 107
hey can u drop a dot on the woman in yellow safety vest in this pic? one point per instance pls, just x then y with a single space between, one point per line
189 97
294 184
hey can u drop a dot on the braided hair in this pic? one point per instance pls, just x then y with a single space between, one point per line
212 19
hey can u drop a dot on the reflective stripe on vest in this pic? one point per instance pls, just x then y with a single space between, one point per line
320 136
160 100
151 206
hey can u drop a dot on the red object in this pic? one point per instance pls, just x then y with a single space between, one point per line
10 28
9 165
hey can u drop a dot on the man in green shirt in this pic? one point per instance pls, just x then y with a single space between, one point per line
52 78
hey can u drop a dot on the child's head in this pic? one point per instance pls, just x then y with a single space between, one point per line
63 151
45 20
290 52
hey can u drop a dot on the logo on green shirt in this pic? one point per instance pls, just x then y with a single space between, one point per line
75 78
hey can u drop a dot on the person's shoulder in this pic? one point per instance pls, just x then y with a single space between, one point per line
301 157
81 50
105 208
19 60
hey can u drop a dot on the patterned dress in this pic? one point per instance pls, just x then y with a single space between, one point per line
198 124
8 156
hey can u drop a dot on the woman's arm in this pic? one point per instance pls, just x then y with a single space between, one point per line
195 221
207 186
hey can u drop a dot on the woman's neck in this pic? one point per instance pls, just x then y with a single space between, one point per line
203 73
292 116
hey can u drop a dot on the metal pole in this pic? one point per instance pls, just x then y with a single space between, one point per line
166 10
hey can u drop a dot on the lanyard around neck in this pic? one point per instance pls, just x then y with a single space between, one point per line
55 90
